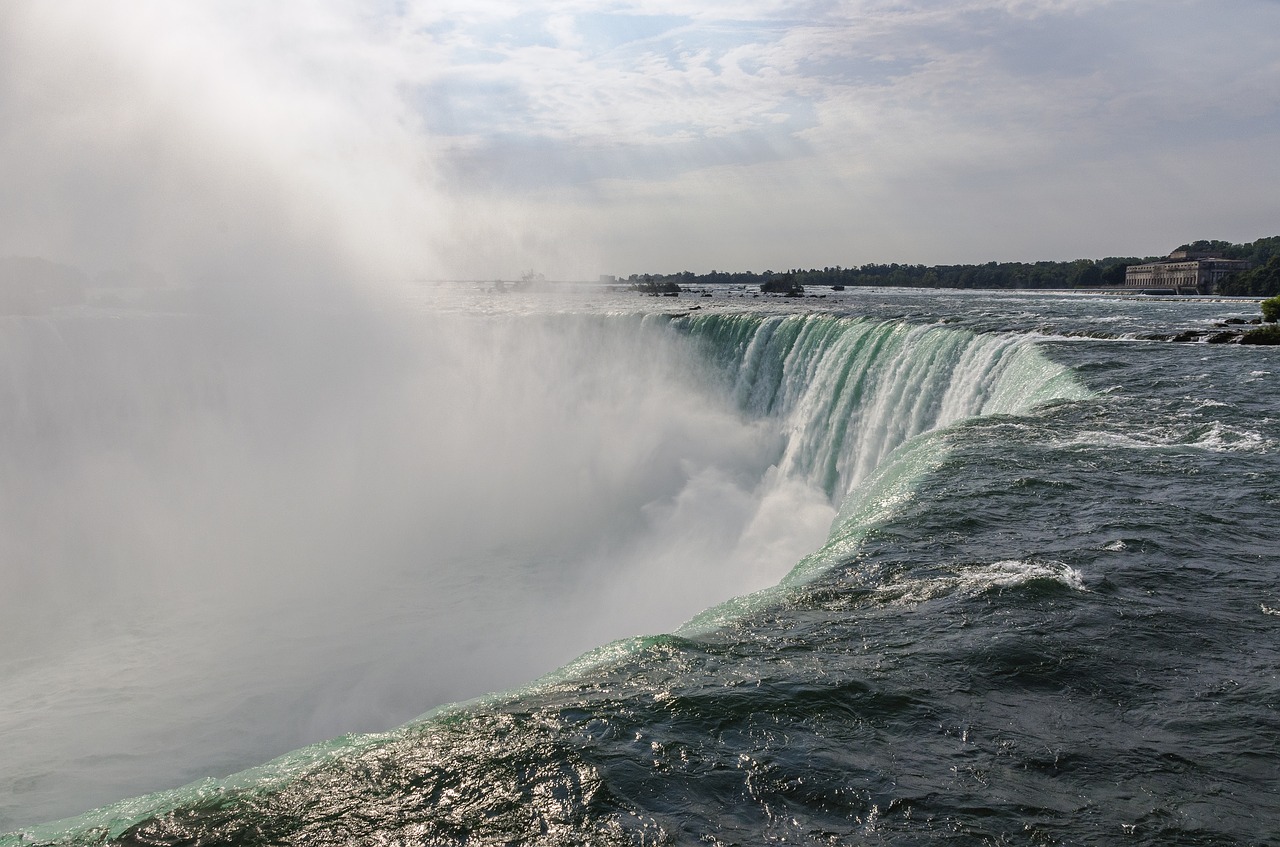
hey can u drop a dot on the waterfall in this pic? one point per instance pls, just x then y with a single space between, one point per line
850 391
856 398
294 529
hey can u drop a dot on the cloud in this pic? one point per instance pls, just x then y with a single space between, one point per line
1011 74
453 136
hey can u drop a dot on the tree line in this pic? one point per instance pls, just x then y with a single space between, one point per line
1262 280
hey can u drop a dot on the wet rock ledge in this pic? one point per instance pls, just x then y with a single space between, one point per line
1230 331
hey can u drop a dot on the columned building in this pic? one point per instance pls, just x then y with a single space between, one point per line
1185 272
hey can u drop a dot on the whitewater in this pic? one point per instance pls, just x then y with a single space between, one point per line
580 566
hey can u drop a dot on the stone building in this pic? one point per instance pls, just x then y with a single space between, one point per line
1184 271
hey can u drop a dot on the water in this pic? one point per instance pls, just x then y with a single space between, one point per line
937 567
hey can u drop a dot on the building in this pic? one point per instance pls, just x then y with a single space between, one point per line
1184 271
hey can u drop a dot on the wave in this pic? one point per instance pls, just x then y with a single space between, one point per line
1213 436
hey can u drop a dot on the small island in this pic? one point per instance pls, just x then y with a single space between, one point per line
1269 334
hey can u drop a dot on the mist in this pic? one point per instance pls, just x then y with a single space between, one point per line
260 488
224 538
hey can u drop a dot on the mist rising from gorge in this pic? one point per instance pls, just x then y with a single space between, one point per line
253 496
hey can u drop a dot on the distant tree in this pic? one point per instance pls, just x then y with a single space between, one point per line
1261 281
1114 274
1108 272
1211 245
1085 273
1261 251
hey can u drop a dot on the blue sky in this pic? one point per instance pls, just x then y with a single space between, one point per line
616 137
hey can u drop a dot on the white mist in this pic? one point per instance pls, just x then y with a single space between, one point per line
226 537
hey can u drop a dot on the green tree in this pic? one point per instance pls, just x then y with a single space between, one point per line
1262 281
1271 310
1084 273
1114 274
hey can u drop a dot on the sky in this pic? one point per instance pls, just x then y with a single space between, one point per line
483 138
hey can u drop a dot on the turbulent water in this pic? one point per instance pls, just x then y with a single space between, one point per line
933 567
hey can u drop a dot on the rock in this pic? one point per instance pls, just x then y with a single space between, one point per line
1268 335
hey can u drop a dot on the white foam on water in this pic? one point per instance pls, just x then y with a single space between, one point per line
973 580
1215 437
1221 438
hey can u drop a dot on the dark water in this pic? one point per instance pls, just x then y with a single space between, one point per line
1059 625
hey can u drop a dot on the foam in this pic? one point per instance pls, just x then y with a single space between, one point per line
1216 437
974 580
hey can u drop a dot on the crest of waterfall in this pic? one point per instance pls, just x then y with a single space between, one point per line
851 391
